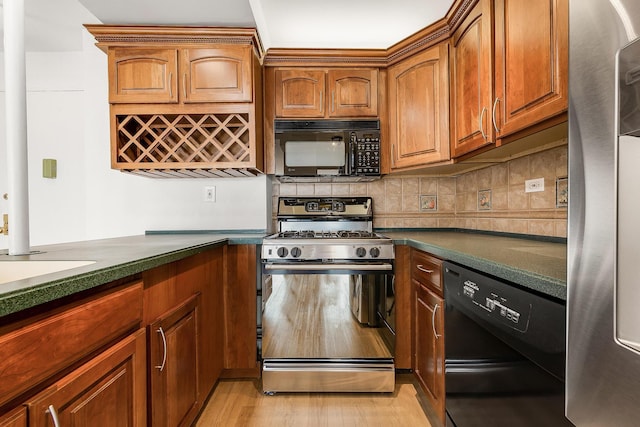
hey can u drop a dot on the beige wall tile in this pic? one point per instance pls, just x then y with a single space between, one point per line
393 186
484 179
520 226
359 189
542 227
544 199
393 204
518 199
379 204
410 203
519 171
460 202
428 186
471 201
410 186
446 186
446 203
447 222
288 189
376 188
500 198
306 189
561 228
499 175
561 155
275 188
340 189
543 165
484 224
322 189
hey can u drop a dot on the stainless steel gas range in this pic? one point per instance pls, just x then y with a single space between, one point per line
328 322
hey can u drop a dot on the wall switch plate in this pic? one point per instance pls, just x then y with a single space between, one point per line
209 194
534 185
49 168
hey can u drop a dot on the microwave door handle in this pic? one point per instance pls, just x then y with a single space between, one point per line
352 155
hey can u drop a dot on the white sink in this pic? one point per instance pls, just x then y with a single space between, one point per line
17 270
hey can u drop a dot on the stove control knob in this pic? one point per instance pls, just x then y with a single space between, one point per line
283 252
295 252
361 252
374 252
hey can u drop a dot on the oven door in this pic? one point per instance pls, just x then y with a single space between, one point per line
315 336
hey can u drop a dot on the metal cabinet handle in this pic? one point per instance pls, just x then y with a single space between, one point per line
481 124
493 115
321 101
51 410
170 85
333 101
433 321
184 86
421 268
164 346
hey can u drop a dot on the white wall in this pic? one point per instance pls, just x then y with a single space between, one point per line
68 120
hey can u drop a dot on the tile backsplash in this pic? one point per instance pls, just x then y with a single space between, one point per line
492 198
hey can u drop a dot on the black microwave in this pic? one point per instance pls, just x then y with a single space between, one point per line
327 149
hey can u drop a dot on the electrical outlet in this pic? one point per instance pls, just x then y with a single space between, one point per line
210 194
534 185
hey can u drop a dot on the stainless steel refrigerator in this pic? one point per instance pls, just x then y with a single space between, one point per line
603 297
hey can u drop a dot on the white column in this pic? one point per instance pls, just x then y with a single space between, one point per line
16 126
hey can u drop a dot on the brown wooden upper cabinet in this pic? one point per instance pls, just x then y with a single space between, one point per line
472 81
419 109
320 93
158 75
531 63
527 82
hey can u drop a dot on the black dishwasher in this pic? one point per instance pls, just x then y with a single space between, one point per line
504 353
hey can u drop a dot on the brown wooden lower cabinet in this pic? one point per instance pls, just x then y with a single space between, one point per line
174 366
428 328
16 418
109 390
429 346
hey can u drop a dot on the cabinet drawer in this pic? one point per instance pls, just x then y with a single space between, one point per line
37 351
427 270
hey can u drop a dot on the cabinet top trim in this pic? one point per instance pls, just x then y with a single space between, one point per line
122 35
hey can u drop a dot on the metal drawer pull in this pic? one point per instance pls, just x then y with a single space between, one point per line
424 270
51 410
164 346
493 115
433 321
170 86
481 123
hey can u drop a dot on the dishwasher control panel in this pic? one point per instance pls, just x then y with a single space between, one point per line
496 304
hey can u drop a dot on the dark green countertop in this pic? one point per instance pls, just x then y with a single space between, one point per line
534 264
538 265
115 258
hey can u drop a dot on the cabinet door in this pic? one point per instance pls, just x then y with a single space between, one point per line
173 352
300 93
419 109
353 93
109 390
429 346
15 418
143 75
216 74
530 62
472 81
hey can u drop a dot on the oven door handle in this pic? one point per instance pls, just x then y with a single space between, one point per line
320 267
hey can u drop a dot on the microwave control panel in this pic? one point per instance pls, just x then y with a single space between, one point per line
366 153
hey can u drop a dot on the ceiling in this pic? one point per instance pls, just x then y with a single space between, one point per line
56 25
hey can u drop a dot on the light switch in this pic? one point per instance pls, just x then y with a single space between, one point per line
49 168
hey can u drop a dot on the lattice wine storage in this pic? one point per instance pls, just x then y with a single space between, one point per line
167 145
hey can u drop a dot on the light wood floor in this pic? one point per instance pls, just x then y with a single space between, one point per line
241 403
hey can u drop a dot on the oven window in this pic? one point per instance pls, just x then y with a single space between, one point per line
315 153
